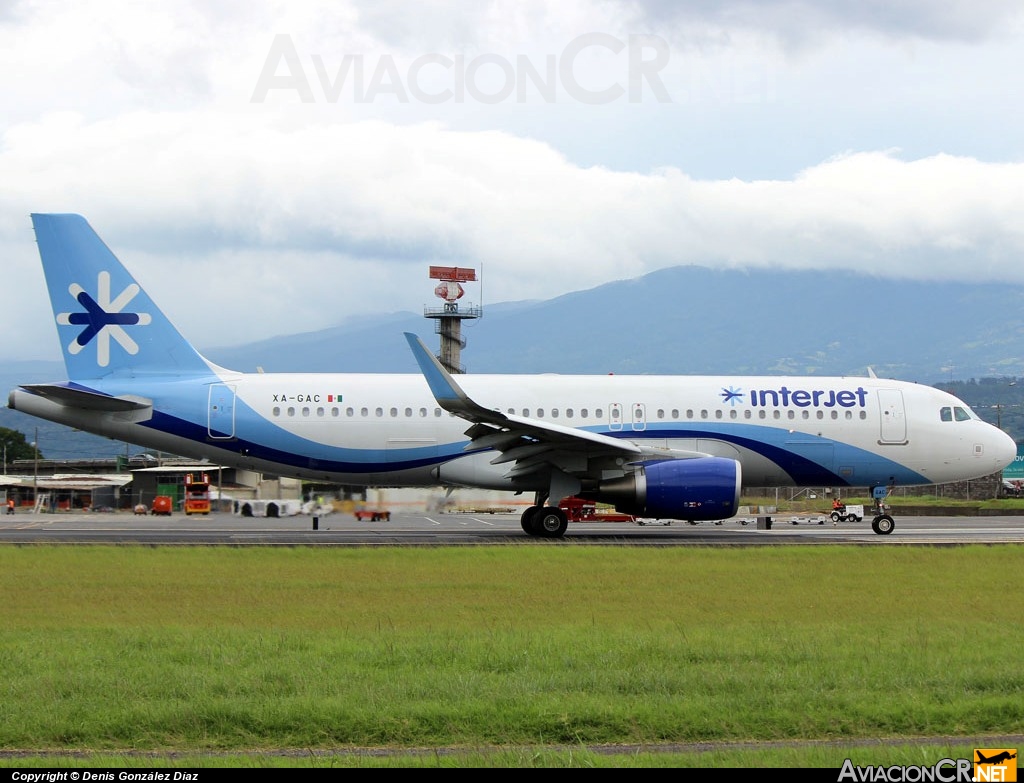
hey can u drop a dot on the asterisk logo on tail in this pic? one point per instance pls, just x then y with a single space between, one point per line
103 318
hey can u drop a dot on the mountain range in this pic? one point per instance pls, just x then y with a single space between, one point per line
681 320
694 320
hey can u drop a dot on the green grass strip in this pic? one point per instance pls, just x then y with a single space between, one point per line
201 649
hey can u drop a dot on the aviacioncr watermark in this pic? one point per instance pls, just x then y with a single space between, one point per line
943 771
486 78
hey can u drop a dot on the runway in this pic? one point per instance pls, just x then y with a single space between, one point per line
410 529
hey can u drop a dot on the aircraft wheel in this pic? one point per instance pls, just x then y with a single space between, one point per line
529 520
551 522
883 524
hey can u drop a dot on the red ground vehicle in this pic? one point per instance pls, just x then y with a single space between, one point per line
580 510
197 494
374 515
162 506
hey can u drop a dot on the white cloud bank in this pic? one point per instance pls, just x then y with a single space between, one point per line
251 219
344 219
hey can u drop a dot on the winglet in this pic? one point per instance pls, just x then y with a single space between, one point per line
444 388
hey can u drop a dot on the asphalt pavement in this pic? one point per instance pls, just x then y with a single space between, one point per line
413 529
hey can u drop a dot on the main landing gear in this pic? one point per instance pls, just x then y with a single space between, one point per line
544 521
882 524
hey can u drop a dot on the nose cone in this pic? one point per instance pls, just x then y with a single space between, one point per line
1002 448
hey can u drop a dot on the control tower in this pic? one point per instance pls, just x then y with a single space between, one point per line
450 317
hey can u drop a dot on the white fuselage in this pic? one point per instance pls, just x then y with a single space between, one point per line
383 429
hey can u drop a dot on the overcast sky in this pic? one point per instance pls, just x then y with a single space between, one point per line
269 168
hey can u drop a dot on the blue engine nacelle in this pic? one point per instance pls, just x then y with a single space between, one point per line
697 489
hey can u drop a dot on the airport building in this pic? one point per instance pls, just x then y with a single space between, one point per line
55 485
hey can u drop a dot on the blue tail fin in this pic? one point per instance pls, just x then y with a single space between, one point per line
106 323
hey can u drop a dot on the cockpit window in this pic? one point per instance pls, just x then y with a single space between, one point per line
957 413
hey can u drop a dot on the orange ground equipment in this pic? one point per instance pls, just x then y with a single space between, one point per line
197 494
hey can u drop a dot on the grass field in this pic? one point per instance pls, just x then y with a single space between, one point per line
506 656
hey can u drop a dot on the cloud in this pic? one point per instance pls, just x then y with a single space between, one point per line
255 219
968 21
346 218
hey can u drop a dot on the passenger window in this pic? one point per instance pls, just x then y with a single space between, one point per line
277 411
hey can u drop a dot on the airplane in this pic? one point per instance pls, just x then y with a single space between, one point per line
996 759
663 447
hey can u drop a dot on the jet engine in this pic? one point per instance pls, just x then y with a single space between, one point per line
699 489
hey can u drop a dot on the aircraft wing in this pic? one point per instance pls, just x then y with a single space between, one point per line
534 446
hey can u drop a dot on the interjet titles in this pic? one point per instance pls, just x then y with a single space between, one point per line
801 398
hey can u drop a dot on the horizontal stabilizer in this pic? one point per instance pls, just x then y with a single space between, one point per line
77 397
